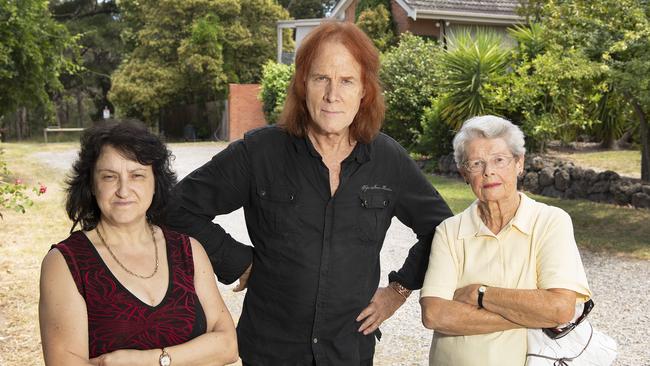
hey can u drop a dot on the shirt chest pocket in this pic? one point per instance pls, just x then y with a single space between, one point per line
277 210
374 206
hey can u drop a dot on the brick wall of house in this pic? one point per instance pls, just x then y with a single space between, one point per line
244 110
422 27
400 17
425 27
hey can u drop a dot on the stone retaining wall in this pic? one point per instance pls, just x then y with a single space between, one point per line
562 179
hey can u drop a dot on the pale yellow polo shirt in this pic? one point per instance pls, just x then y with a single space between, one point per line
536 249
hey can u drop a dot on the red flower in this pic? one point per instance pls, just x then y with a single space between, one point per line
19 181
42 189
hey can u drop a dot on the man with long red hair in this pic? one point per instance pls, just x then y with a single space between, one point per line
319 192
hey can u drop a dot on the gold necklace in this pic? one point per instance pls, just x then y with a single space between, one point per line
155 245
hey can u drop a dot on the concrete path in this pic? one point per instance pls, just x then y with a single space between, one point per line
620 285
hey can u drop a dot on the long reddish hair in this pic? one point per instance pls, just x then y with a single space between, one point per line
295 117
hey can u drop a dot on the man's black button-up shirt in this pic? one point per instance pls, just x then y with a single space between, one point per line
316 256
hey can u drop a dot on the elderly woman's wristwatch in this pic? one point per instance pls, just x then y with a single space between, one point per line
165 359
481 291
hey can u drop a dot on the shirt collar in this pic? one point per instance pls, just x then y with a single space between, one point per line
471 224
361 153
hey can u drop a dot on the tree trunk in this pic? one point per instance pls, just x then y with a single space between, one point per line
24 123
624 141
609 143
19 136
21 123
80 108
645 141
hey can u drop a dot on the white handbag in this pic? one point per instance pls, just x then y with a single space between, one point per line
578 344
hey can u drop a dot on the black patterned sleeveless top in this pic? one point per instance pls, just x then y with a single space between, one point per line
117 319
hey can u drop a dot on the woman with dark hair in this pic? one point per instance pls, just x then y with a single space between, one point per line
319 192
125 290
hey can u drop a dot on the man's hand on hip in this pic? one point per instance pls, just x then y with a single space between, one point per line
382 306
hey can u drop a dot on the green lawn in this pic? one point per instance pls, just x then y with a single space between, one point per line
624 162
598 226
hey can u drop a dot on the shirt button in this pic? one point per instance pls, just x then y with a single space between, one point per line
315 340
263 193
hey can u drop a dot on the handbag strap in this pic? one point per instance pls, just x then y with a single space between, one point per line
564 361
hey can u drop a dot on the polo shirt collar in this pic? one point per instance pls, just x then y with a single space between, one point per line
524 217
471 224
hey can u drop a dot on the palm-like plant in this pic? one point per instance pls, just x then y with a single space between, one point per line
530 40
471 63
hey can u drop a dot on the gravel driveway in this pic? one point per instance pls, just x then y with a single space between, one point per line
620 285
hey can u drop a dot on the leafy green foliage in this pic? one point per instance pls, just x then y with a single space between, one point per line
307 9
275 82
556 93
186 52
614 35
376 23
13 194
364 5
409 81
437 136
468 68
34 52
530 40
97 26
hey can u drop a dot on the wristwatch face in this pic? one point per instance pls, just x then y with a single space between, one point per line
165 360
481 289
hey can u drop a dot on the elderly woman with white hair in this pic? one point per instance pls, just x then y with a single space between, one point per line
504 264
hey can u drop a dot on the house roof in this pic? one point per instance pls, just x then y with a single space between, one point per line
479 11
504 7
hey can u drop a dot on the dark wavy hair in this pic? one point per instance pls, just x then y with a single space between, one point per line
295 117
133 141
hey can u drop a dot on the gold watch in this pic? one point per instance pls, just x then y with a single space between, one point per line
403 291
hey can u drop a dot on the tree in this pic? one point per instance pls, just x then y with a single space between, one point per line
307 9
34 51
556 94
615 34
97 26
257 44
376 23
187 52
409 81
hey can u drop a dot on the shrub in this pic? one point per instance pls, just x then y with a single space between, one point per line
436 138
377 24
275 81
12 193
556 94
471 70
409 81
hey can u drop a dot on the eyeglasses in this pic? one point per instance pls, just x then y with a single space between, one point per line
497 161
557 333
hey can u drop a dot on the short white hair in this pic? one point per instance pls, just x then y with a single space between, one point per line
489 127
